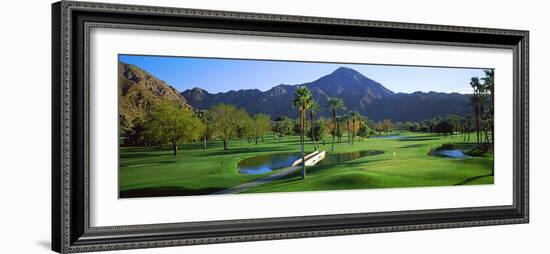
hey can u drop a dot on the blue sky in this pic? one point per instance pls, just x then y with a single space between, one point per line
221 75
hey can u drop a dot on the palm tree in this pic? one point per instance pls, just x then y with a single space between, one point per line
362 121
302 100
312 108
335 104
476 102
468 122
354 115
489 85
339 123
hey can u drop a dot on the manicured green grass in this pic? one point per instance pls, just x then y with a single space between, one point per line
404 163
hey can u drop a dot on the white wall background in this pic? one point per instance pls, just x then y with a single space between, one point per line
25 125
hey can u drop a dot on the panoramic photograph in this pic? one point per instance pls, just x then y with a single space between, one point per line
210 126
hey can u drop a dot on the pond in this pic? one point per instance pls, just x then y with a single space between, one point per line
389 136
267 163
450 153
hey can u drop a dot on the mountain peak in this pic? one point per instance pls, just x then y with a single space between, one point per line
198 90
278 90
345 70
347 82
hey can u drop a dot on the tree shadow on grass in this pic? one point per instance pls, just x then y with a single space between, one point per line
471 179
283 141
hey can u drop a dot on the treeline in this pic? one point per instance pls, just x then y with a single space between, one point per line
171 123
449 125
351 127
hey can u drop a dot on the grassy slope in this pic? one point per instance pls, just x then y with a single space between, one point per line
405 163
194 170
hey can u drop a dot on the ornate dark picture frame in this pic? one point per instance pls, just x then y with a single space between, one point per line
71 22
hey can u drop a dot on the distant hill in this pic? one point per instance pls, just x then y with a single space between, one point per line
419 106
358 92
353 87
139 91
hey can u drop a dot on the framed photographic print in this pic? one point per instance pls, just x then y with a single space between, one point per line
181 126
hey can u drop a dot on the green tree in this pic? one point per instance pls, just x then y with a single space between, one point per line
319 130
379 127
244 124
225 120
171 122
334 105
363 130
387 125
283 126
302 101
455 122
445 127
261 125
135 132
322 129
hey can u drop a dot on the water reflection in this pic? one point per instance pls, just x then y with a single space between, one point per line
451 153
267 163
